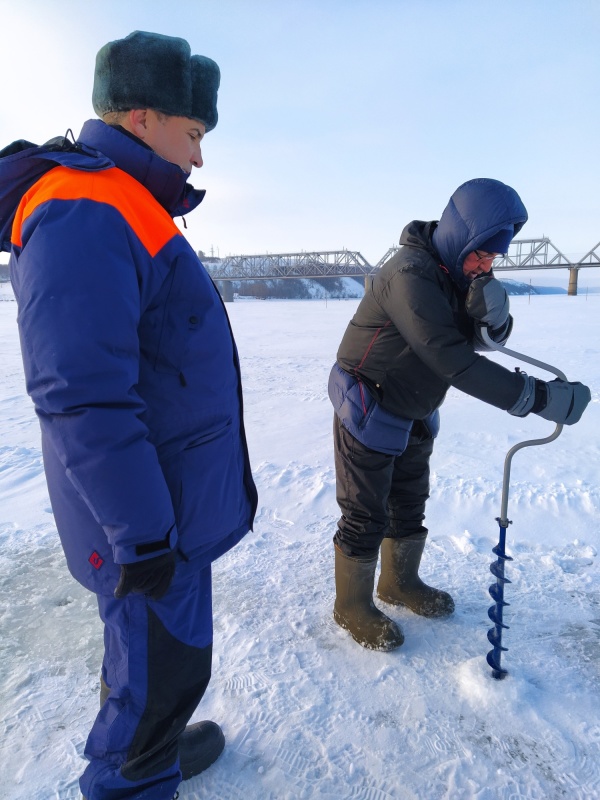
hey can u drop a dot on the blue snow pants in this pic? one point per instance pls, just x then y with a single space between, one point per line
157 663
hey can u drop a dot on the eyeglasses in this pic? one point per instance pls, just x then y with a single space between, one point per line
485 256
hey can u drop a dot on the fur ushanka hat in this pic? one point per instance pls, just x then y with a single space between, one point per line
149 70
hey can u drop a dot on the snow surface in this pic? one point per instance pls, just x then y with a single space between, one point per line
307 712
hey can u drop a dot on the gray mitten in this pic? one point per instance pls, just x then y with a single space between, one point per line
500 336
487 302
565 401
558 401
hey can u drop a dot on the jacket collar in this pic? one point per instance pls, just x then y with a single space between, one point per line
165 181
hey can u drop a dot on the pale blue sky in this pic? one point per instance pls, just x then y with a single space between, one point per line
342 120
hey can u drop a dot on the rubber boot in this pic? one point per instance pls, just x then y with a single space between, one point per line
399 582
200 744
354 609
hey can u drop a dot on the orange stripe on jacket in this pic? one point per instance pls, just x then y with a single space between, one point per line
148 219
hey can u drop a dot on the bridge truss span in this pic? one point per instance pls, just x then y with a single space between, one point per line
532 254
524 254
325 264
591 259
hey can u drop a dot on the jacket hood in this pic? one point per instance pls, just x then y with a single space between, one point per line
164 180
22 164
419 234
477 210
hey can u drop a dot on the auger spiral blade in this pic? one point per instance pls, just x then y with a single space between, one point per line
495 614
497 570
498 672
500 553
495 611
494 640
498 594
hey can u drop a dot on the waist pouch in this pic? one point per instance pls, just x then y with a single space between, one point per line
367 421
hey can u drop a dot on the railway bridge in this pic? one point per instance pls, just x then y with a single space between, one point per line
523 254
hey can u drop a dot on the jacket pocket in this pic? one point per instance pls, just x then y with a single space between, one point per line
179 315
364 418
174 337
213 501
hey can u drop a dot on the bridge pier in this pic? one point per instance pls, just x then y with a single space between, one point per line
226 290
573 274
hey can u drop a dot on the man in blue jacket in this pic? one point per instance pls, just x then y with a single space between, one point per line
416 333
131 363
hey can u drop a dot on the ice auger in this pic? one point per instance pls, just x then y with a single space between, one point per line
495 612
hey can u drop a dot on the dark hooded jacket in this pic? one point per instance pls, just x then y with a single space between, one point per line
128 354
411 338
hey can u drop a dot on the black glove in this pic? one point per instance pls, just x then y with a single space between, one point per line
487 302
151 577
561 401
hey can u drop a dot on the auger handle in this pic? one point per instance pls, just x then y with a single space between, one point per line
529 442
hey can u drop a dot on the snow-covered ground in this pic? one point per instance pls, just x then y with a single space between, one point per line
307 712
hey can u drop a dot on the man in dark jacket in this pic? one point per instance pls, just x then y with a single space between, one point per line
133 369
415 334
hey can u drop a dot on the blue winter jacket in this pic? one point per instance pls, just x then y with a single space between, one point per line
128 354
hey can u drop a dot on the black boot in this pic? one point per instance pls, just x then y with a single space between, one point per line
200 744
354 609
399 582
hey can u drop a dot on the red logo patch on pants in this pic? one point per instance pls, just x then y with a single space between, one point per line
95 560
